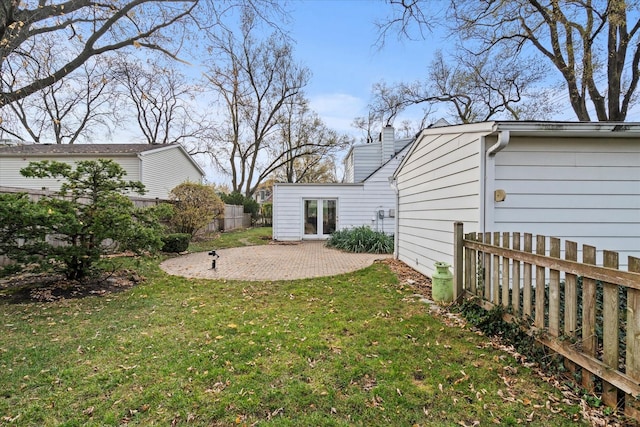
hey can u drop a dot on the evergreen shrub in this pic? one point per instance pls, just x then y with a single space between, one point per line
176 242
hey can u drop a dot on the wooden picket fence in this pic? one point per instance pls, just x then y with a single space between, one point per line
587 313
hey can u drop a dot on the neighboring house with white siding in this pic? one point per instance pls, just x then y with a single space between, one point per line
159 167
314 211
574 181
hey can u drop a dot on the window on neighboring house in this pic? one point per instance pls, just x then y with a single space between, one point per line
262 195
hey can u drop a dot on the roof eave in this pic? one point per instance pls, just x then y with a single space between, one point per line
571 129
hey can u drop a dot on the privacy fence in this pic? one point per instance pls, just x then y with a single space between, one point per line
587 313
234 218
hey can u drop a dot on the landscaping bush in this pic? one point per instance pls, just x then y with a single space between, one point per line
361 240
195 206
87 218
176 242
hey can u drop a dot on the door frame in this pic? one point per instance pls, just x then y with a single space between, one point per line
319 217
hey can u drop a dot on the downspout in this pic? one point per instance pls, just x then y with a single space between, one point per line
394 184
503 141
140 174
490 179
140 169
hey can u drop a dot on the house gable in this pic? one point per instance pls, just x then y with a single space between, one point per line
171 163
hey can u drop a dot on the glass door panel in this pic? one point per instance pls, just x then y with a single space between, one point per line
310 217
328 216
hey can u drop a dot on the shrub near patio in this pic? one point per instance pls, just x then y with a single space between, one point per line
356 349
361 239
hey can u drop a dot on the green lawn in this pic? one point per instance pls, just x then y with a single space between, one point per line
232 239
356 349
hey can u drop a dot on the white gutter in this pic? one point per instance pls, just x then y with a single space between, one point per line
488 223
503 141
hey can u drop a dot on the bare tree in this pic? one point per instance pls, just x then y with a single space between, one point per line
161 98
369 125
474 89
66 111
309 169
479 89
387 102
258 84
307 147
595 46
100 27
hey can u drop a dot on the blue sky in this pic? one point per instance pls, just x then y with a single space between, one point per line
336 39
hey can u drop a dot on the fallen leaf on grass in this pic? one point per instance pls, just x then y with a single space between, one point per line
127 368
464 378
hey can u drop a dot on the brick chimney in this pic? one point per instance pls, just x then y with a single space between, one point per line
388 143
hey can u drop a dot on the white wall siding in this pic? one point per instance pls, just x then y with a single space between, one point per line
367 159
10 170
163 170
439 183
358 204
288 199
348 168
585 190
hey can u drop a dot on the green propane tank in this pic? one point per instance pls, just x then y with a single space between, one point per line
442 283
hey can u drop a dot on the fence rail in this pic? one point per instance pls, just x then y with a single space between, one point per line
587 313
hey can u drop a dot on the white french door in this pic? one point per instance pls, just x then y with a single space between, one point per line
320 217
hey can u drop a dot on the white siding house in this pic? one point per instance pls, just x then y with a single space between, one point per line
575 181
314 211
159 167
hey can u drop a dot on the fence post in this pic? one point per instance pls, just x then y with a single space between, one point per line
458 261
539 319
589 339
610 322
632 405
515 274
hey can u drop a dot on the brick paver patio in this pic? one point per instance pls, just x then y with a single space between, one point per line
298 260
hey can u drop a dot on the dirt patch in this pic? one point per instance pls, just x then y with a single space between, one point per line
45 288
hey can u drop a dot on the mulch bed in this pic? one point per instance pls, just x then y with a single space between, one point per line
408 275
47 287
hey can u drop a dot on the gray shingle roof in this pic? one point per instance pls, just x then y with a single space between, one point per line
112 149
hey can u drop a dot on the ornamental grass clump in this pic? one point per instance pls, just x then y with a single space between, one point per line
361 240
